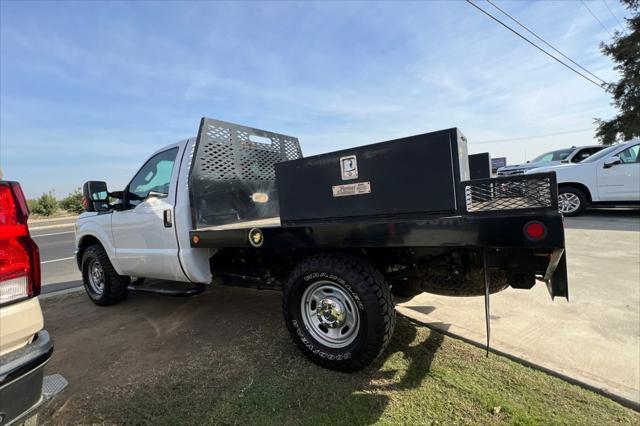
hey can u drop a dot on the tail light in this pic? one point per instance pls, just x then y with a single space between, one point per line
535 230
19 254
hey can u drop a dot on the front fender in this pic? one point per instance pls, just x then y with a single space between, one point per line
95 229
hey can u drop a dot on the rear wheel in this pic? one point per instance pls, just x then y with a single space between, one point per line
339 311
571 201
103 285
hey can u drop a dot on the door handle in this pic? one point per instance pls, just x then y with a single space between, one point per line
167 218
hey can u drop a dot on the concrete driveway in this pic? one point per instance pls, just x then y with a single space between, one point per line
595 337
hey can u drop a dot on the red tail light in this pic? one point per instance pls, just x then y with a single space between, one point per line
535 230
19 254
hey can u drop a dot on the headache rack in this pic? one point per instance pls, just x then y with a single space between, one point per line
535 192
232 177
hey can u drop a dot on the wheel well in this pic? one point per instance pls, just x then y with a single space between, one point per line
86 241
579 186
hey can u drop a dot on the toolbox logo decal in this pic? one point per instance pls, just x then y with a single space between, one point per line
349 167
352 189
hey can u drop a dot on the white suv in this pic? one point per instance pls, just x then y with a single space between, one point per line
610 177
567 155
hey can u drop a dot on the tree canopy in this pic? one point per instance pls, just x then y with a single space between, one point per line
625 52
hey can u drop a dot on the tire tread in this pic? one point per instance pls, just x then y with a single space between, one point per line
370 284
116 285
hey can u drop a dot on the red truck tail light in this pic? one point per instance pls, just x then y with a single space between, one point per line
19 254
535 230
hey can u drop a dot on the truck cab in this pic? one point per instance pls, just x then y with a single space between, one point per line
145 232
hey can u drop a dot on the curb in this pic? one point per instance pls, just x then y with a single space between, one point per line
617 398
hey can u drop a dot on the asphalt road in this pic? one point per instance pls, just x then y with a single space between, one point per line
56 240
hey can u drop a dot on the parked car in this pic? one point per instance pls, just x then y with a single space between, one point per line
610 177
337 232
25 347
567 155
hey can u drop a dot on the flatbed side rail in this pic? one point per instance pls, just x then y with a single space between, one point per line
516 194
496 231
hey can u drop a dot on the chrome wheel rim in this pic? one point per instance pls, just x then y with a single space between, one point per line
96 276
330 314
568 202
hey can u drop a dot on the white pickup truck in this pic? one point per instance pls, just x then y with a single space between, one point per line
610 177
338 232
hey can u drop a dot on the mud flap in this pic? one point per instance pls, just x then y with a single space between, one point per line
556 276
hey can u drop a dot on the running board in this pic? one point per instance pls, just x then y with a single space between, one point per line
168 291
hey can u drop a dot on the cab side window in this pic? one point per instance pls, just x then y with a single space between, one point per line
584 154
155 176
546 157
629 155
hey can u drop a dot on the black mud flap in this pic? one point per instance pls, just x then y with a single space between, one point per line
557 281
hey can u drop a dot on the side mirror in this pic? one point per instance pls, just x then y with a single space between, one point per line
612 161
95 196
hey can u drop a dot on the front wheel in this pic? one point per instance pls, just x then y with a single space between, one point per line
339 311
571 201
103 284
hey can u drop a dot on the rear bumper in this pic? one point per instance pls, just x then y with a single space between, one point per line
21 373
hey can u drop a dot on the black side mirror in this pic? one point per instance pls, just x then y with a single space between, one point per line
95 196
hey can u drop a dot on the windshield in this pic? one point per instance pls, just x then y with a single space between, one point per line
558 155
601 154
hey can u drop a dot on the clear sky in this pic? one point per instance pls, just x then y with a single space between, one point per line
89 89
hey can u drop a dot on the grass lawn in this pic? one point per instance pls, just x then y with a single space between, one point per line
422 378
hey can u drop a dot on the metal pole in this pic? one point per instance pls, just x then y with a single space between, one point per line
486 297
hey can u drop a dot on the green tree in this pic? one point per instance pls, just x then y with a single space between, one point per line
45 205
625 52
73 202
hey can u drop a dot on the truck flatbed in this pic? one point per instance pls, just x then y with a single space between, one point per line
339 233
495 231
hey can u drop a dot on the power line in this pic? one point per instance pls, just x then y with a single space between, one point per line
545 42
532 43
523 138
614 16
596 18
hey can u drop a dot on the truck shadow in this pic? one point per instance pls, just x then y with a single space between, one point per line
217 358
404 365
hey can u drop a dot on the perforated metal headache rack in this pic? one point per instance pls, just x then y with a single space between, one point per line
232 176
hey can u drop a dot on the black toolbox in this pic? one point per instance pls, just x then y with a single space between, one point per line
480 166
408 177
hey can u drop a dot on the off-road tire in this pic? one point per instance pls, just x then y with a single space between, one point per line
578 193
115 286
374 301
